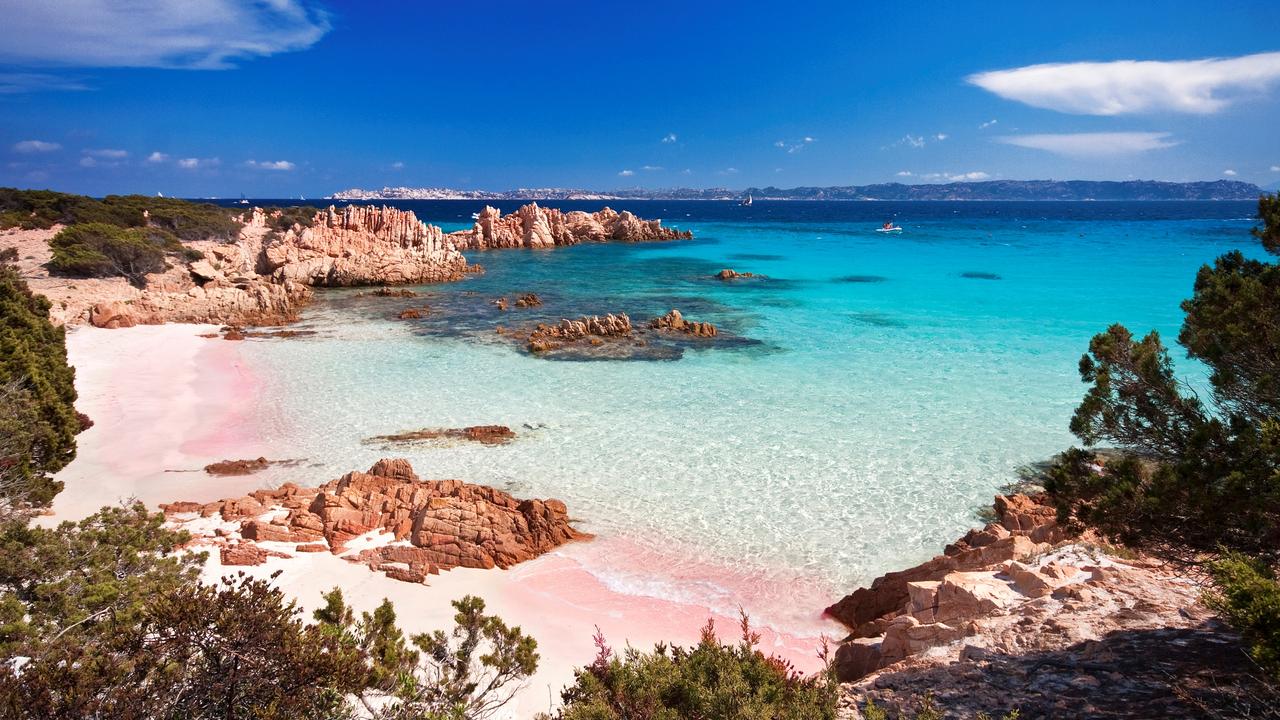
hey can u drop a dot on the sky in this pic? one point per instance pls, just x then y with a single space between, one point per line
282 98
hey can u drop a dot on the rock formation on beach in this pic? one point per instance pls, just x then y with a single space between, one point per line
1007 600
264 277
409 528
483 434
536 227
360 245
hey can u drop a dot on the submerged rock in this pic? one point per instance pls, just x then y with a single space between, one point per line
486 434
730 274
237 467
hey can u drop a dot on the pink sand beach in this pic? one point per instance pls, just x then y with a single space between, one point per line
166 401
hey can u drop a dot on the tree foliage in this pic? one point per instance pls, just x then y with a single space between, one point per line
185 220
712 680
38 420
1196 475
103 250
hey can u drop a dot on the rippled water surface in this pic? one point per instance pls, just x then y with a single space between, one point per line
871 393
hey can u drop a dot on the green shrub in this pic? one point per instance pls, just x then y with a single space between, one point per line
1197 471
102 250
710 680
1247 594
38 420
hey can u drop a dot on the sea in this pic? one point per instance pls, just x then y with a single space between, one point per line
865 398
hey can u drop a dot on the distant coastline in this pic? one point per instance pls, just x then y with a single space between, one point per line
990 190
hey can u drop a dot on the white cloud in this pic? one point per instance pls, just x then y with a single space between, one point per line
686 171
903 173
729 171
794 147
88 161
35 146
915 141
669 138
1131 86
157 157
627 173
957 177
1275 168
1230 173
194 34
651 168
988 124
1101 144
940 137
108 153
14 83
397 165
193 163
270 164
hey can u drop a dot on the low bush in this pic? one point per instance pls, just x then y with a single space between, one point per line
102 250
710 680
1247 594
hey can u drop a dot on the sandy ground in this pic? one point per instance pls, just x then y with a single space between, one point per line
165 402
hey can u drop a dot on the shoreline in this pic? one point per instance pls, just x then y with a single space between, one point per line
165 399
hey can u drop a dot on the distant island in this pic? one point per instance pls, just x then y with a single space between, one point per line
986 190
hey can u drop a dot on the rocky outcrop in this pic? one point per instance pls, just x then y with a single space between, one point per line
411 528
536 227
676 322
594 327
237 467
361 245
1009 599
730 274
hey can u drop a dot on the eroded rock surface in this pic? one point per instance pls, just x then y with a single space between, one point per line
536 227
407 527
976 627
484 434
676 322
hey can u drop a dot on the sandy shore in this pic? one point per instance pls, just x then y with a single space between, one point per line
166 401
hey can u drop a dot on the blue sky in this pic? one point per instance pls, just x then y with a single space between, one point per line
289 97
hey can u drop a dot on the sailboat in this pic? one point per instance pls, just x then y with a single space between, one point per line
242 200
747 202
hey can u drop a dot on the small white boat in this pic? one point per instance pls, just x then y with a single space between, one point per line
475 216
242 200
889 228
747 202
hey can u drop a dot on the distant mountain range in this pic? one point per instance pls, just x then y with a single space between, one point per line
986 190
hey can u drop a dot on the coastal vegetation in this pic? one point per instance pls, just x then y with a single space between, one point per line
1197 479
103 250
187 221
38 419
711 679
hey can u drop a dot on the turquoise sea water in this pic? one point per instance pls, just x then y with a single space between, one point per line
890 384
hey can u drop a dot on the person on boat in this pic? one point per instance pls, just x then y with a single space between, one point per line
888 225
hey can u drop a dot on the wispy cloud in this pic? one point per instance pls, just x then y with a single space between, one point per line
35 146
157 157
794 147
1092 145
1230 173
626 173
941 136
669 138
915 141
108 153
397 165
194 163
207 35
1131 86
270 164
972 176
14 83
728 171
651 168
1275 168
988 124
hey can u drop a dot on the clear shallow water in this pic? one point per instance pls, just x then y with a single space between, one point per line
888 396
